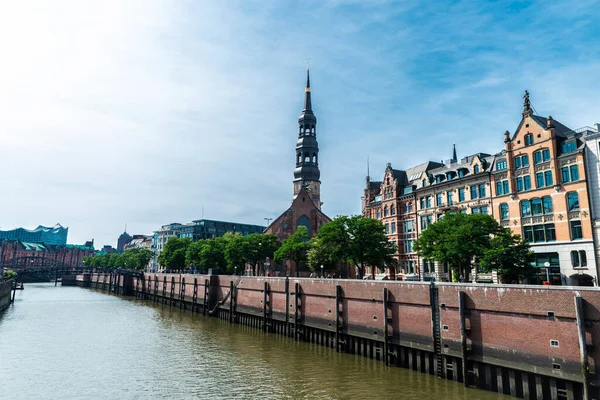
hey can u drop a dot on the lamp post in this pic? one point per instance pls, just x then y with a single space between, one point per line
547 265
322 273
267 265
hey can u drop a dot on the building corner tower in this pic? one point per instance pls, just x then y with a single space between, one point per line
306 173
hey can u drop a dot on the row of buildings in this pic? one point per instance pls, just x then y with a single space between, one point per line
195 230
42 246
543 186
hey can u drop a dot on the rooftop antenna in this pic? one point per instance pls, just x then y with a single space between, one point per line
125 227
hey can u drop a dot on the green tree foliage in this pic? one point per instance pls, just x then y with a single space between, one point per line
10 274
136 258
173 256
461 239
294 248
208 253
509 255
236 251
260 247
358 240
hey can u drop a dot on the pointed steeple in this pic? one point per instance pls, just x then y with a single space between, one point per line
307 100
526 105
454 158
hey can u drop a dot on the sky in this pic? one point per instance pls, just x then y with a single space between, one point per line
147 112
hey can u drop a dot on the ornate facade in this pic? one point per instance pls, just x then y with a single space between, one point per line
537 186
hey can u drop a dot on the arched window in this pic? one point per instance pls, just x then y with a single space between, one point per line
313 129
385 211
525 208
304 221
528 139
314 159
378 213
572 201
299 158
306 157
503 211
393 210
536 207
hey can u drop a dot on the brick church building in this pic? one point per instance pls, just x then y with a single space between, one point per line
306 206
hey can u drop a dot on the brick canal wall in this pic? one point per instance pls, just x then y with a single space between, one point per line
5 293
513 339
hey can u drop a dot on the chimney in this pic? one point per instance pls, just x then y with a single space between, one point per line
597 126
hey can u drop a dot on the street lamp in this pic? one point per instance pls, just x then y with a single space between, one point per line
322 274
267 265
547 265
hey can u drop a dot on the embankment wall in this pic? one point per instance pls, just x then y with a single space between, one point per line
526 341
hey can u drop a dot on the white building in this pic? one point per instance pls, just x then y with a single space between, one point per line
591 136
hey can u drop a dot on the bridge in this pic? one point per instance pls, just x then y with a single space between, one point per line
40 269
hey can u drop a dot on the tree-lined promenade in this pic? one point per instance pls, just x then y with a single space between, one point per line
462 241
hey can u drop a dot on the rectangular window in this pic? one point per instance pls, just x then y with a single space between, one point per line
475 210
410 208
537 157
550 232
426 221
463 211
408 246
528 233
387 228
482 190
548 178
526 182
393 227
569 147
438 199
574 173
449 198
517 162
422 202
461 194
565 174
410 269
473 192
576 232
428 201
501 188
539 180
546 155
519 184
500 165
408 226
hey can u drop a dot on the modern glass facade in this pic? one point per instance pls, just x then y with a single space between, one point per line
56 235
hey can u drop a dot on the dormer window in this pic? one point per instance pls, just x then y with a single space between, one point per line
450 175
439 178
528 139
500 165
462 172
569 147
476 169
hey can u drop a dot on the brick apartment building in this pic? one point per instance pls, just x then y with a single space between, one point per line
537 186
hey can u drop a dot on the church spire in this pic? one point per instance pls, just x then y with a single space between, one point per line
454 158
307 100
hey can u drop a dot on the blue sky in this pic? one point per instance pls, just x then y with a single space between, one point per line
144 112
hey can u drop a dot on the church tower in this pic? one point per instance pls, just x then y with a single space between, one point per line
306 173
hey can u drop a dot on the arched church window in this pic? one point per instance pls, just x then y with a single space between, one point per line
306 157
304 221
314 159
299 158
313 129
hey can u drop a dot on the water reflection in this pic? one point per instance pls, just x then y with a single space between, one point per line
73 343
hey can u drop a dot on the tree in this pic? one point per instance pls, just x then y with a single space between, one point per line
260 247
237 249
173 255
207 253
509 255
294 248
356 239
458 239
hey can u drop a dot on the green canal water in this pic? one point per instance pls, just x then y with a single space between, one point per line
74 343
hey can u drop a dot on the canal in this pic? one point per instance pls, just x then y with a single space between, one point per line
74 343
